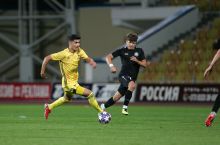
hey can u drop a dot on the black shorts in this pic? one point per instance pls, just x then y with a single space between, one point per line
124 81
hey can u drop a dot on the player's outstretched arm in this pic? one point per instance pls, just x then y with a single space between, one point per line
142 63
44 65
91 62
108 59
209 68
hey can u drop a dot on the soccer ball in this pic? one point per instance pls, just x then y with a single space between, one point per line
104 117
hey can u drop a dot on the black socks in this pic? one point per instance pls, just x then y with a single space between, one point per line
128 96
109 103
216 104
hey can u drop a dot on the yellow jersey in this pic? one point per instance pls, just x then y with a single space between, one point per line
69 62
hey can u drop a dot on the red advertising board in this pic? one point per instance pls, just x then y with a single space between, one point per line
25 90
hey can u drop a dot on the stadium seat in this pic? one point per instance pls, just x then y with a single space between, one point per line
215 5
203 5
213 33
216 23
202 33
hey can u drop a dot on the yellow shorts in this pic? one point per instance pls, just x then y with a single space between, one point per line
71 91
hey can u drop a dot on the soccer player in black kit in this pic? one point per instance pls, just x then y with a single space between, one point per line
131 58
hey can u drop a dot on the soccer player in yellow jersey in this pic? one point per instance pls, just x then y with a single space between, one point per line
69 60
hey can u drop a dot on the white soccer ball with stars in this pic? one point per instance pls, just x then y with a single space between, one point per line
104 117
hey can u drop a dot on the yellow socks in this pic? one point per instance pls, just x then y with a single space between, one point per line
58 102
94 103
91 99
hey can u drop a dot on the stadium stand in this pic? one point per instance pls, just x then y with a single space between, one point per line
182 60
187 57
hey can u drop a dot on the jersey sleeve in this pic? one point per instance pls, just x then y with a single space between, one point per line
58 56
83 54
142 55
116 53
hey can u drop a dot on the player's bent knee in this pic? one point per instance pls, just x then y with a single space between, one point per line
68 97
90 95
132 86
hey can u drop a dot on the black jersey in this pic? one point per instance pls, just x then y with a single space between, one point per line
129 68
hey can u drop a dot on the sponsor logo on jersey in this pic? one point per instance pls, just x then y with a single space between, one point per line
136 54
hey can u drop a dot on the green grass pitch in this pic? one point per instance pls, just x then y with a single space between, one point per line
78 125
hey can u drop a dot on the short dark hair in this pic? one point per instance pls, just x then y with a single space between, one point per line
133 37
74 37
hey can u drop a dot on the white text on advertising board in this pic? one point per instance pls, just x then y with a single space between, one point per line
201 97
6 91
159 93
41 91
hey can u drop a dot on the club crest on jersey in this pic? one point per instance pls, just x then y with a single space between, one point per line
136 54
